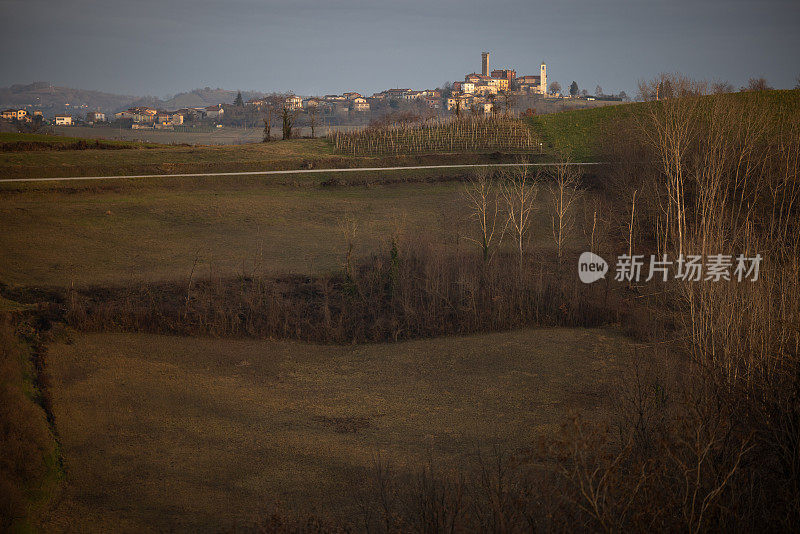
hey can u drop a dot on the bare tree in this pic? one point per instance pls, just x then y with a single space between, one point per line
719 88
564 195
349 229
519 196
492 98
270 108
670 128
313 116
508 101
555 87
758 84
288 116
457 106
484 205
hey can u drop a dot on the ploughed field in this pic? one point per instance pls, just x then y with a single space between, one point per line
161 433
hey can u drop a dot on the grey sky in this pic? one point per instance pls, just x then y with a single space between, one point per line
313 47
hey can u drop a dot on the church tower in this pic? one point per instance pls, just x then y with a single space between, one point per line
485 63
543 78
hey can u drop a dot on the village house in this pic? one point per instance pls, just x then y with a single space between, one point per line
95 116
486 89
169 118
360 104
413 95
12 114
214 112
144 115
396 94
63 120
433 102
294 102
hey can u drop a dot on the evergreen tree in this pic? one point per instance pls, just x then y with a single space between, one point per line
238 102
573 88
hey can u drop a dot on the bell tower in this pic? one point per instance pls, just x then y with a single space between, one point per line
485 63
543 78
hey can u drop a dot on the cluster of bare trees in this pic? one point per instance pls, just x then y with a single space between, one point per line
276 109
504 206
720 176
675 85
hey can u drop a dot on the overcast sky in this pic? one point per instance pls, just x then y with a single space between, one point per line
151 47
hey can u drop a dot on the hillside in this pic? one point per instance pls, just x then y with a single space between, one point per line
575 133
53 99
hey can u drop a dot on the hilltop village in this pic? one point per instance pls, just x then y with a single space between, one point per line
489 91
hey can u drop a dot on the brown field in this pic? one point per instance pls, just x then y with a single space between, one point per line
156 230
162 433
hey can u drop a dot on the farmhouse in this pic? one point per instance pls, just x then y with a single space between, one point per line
63 120
95 116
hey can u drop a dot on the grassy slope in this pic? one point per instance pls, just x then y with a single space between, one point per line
574 133
163 432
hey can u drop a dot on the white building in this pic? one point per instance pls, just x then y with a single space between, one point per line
294 102
63 120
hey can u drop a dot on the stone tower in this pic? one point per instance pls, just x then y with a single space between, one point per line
485 63
543 78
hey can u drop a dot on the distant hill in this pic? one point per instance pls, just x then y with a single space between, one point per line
53 99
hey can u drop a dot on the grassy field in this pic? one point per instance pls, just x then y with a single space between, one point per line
141 158
193 136
162 433
7 138
59 235
166 159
